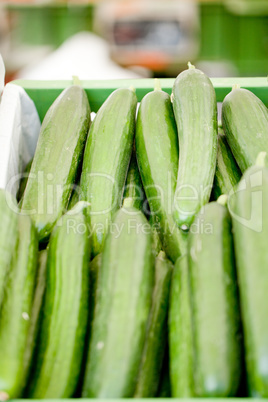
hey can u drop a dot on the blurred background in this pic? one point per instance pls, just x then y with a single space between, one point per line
45 39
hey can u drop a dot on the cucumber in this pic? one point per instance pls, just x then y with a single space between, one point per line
124 297
8 234
215 304
133 187
227 173
15 314
250 222
153 352
195 109
181 332
245 123
106 160
57 158
65 312
157 155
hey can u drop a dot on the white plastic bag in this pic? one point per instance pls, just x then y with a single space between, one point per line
19 131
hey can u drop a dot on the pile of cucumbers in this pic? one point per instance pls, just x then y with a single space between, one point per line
134 262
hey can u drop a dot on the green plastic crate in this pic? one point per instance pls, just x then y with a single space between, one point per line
43 93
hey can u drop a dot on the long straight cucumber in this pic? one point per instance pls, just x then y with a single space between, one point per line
181 332
8 236
57 158
15 314
64 321
250 221
157 155
124 297
215 304
227 173
195 109
156 336
245 123
106 160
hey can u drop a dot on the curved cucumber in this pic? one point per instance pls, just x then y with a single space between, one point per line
245 123
133 187
195 110
124 296
250 222
8 234
15 315
180 332
57 158
106 160
227 173
153 352
215 305
65 312
157 155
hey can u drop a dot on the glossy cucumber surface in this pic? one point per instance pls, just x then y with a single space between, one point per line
195 110
245 123
123 303
15 313
106 160
215 305
57 159
65 313
250 221
157 155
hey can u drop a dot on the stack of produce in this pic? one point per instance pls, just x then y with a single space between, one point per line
135 263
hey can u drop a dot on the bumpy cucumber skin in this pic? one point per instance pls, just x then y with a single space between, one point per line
195 110
133 187
106 160
57 158
250 204
227 173
156 336
15 315
245 124
124 296
65 312
9 235
181 332
157 155
215 305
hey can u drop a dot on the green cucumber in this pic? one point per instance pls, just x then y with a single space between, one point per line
157 155
245 124
195 109
124 296
227 173
153 352
65 313
215 305
250 222
133 187
15 314
57 158
8 234
106 160
180 332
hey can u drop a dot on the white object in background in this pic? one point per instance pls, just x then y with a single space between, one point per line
2 75
85 55
19 131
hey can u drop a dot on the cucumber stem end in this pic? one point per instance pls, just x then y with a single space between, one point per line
157 85
190 65
223 199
